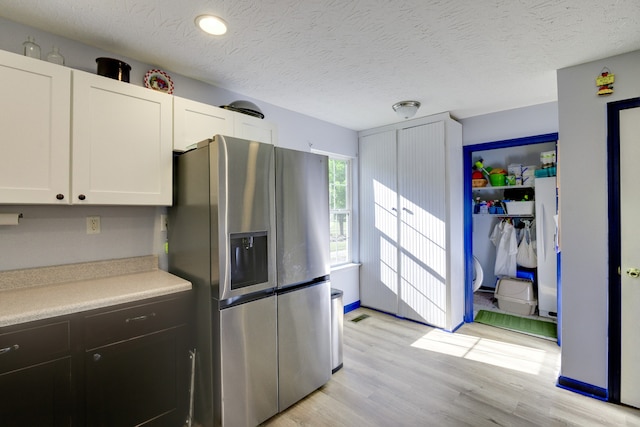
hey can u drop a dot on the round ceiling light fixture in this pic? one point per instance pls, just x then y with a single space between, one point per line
406 109
211 24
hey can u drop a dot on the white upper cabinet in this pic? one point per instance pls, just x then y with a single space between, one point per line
121 143
255 129
72 137
34 131
194 121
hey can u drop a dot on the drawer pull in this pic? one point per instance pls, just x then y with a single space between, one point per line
140 318
97 357
8 349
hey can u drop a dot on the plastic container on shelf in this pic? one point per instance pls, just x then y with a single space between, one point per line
497 179
548 158
520 208
546 172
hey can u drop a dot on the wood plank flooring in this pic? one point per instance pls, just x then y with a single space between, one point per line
400 373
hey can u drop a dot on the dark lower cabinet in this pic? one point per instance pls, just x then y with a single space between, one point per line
138 382
126 365
35 374
37 395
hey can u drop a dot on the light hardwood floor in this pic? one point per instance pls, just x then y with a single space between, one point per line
400 373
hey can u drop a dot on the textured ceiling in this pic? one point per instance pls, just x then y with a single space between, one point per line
348 61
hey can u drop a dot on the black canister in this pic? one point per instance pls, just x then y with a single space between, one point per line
113 68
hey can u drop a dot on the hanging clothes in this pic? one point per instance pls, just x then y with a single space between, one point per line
526 256
504 238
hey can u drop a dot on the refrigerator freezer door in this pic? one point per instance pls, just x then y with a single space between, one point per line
249 363
302 216
304 342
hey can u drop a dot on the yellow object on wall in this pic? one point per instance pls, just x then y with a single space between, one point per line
605 82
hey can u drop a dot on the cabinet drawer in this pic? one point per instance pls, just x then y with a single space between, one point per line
121 324
33 345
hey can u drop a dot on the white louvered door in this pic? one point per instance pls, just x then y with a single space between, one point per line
378 222
423 221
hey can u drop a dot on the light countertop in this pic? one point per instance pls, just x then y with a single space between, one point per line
24 301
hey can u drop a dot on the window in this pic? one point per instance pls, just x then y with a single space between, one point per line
340 209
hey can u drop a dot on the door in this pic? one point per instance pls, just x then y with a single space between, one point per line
423 224
37 395
138 381
378 222
122 143
304 342
34 131
630 256
545 201
249 363
302 216
254 129
194 121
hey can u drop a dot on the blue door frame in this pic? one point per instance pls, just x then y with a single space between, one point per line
467 152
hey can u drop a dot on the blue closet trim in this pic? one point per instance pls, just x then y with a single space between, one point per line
583 388
467 150
351 307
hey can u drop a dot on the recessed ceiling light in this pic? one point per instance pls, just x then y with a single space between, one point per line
211 24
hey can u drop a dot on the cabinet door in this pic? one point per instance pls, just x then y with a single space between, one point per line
35 374
423 224
139 381
34 130
194 121
121 143
38 395
254 129
379 222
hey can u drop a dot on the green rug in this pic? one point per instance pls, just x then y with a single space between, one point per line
539 328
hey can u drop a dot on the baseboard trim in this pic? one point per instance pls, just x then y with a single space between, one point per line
351 307
583 388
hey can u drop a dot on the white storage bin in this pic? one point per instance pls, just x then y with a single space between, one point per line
520 208
516 296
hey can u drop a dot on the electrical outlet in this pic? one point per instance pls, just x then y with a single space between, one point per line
93 225
163 222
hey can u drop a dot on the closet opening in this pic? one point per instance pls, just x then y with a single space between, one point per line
495 209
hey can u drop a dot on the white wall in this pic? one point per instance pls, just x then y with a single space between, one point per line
51 235
517 123
583 212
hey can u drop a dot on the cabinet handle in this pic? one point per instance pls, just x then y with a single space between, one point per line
60 196
81 196
140 318
409 211
97 357
8 349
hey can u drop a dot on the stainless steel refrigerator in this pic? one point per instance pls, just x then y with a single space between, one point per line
303 265
222 239
261 279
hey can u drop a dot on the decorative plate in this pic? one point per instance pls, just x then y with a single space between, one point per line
158 80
